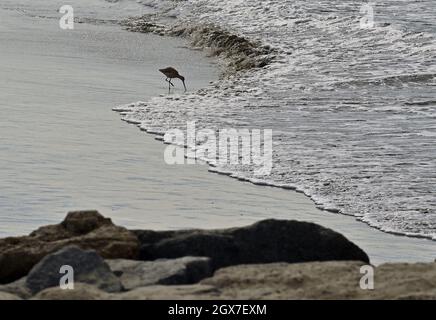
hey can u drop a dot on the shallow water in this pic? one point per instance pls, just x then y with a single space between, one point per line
62 148
353 109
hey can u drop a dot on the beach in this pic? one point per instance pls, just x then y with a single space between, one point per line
352 106
56 81
350 187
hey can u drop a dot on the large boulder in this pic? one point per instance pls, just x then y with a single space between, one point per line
87 266
186 270
263 242
86 229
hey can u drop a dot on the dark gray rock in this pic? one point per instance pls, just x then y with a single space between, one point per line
86 229
186 270
88 268
266 241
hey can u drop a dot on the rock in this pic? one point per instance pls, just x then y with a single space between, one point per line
84 291
186 292
405 281
263 242
18 288
81 291
88 268
312 280
324 280
8 296
86 229
186 270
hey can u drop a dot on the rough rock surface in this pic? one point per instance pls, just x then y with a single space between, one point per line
86 229
8 296
266 241
181 292
314 280
186 270
82 291
324 280
18 288
87 265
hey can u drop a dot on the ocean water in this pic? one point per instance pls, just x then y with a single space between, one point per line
353 110
61 146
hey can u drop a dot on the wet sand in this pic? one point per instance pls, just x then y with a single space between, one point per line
62 148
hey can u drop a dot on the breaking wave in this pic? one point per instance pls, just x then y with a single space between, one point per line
352 109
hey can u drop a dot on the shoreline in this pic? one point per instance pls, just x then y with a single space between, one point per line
226 44
397 248
209 38
229 202
158 137
159 231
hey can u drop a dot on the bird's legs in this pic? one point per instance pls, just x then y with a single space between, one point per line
169 84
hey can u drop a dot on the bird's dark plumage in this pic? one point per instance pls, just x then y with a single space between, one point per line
172 73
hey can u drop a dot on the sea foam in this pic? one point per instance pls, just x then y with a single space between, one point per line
352 110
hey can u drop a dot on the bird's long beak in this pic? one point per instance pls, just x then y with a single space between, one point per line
184 84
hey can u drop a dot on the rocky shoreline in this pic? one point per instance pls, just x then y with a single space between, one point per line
271 259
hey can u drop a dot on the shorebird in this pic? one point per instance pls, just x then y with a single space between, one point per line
172 73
